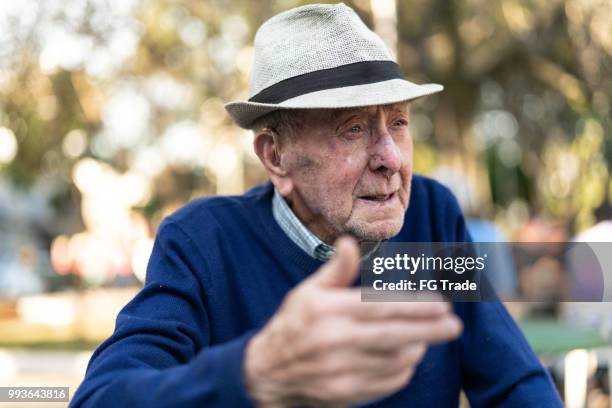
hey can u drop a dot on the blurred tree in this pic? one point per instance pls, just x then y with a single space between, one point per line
140 85
522 78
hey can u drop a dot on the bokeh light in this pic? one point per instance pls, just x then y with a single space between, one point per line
8 145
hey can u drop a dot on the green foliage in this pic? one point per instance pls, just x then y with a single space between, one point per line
526 111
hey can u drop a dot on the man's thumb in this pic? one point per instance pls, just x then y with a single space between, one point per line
343 268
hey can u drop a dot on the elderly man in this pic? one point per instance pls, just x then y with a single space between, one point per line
250 300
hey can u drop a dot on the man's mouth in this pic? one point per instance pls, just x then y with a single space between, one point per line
377 197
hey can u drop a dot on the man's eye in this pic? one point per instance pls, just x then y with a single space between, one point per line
400 122
355 129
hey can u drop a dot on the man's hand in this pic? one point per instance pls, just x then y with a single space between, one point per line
325 347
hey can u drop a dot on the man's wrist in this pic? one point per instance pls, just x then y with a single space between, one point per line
255 373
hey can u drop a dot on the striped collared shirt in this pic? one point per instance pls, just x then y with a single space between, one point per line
302 236
298 232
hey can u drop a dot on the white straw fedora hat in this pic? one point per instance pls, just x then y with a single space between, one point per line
321 56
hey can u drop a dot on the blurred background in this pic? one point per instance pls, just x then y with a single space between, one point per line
111 117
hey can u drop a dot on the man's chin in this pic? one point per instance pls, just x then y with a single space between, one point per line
378 230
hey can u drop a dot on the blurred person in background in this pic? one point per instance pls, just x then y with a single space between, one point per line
542 276
602 230
249 300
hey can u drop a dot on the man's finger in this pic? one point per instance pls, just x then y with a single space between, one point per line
391 335
348 302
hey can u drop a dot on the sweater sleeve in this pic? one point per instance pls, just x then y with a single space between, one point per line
498 366
160 354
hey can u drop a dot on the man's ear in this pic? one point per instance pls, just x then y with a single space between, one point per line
268 149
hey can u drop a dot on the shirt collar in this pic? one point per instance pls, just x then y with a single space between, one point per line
298 232
302 236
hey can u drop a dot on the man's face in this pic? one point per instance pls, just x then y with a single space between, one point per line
350 171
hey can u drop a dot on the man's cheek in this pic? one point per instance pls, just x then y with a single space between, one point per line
304 164
338 198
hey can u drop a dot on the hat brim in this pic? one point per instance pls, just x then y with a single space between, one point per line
244 113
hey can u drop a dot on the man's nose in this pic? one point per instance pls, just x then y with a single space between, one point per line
385 155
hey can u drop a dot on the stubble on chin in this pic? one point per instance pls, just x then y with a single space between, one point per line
364 231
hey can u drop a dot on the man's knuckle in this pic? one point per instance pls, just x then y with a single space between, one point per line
343 386
317 306
335 334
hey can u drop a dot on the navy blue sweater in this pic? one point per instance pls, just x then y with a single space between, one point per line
219 270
